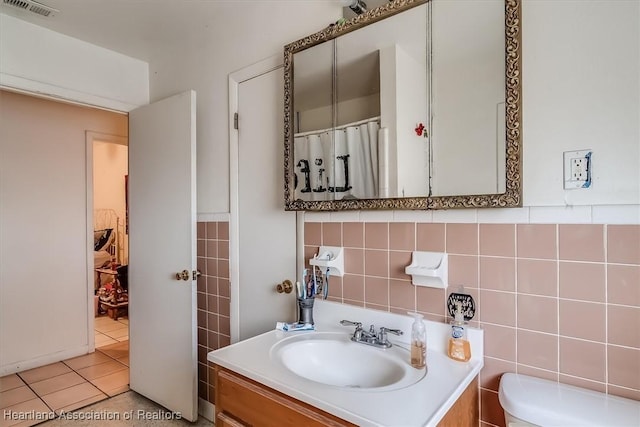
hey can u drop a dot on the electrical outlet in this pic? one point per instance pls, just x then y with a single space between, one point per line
577 169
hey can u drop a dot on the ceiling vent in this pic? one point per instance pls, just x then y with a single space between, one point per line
32 6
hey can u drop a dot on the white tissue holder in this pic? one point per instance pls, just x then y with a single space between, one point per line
429 269
332 257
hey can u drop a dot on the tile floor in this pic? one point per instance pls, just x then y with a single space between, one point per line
70 384
127 403
109 331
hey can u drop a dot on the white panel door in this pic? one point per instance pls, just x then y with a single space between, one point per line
267 243
162 241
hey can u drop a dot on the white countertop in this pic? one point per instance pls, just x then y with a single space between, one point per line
421 404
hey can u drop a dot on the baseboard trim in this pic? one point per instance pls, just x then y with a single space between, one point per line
206 409
12 368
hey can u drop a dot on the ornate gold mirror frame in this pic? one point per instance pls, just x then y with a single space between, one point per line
512 197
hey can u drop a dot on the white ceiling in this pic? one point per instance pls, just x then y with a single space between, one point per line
139 28
135 28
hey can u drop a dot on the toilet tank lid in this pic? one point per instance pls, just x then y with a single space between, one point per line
548 403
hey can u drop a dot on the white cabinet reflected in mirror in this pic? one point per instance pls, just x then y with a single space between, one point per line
354 136
404 108
468 97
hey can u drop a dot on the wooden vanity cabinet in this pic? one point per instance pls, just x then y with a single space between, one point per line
241 401
466 410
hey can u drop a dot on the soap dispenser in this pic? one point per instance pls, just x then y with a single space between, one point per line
459 348
418 342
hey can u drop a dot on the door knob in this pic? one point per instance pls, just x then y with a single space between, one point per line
183 275
286 286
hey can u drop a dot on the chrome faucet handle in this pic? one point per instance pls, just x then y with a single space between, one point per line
382 335
357 334
358 325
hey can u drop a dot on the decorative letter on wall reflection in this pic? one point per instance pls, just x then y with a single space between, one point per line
350 153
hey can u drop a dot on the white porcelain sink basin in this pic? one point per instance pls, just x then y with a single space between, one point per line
333 359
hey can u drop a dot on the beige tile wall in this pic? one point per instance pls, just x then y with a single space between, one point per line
213 299
558 301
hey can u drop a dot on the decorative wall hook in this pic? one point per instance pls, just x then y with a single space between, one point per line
421 130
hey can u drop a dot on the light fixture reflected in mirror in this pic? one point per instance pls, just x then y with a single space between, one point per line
358 6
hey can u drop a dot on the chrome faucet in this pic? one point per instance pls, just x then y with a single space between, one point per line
371 337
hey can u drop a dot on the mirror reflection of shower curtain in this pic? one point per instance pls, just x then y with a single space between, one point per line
350 152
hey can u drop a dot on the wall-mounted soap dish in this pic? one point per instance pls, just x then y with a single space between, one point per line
332 257
429 269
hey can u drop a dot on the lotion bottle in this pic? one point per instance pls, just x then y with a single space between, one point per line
418 342
459 348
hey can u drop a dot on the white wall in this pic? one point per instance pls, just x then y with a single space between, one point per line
404 106
36 59
44 245
43 297
348 111
467 87
581 89
245 33
581 62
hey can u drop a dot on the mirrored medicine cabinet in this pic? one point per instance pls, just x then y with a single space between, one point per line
412 105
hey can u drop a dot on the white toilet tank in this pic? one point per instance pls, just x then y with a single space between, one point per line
529 401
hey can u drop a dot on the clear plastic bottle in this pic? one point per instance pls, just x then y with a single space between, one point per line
459 348
418 342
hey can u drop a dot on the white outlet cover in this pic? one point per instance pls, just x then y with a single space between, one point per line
569 182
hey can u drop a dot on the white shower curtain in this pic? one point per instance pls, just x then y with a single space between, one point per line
339 163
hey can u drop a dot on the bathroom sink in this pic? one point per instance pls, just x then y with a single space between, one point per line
333 359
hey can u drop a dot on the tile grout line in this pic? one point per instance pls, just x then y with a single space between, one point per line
34 392
85 381
91 381
605 242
